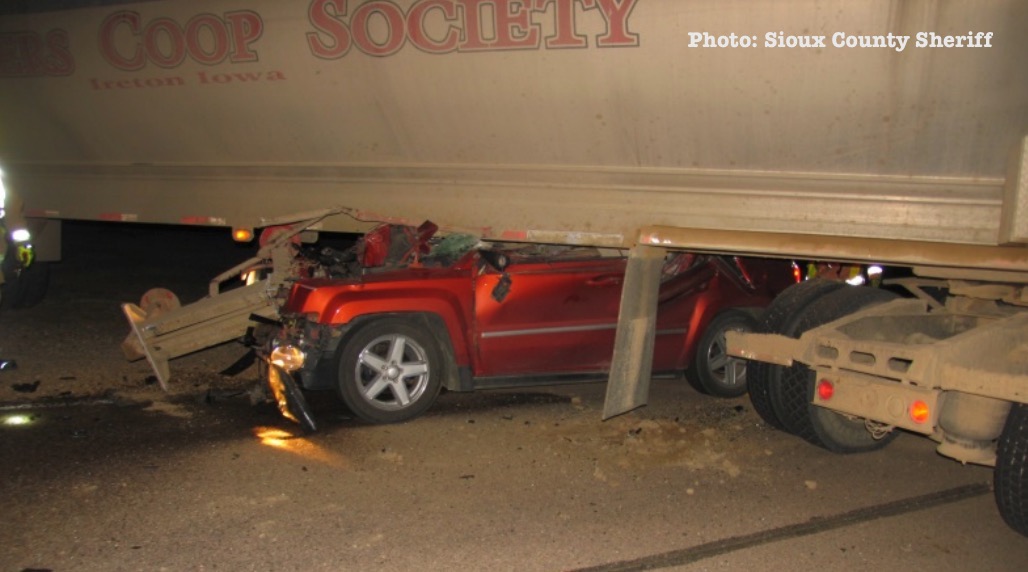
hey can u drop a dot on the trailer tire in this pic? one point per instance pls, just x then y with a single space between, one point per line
778 319
1010 479
389 370
712 370
792 392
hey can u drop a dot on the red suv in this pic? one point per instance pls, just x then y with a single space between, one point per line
401 316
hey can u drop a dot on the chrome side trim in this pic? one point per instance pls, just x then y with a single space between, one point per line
568 329
537 331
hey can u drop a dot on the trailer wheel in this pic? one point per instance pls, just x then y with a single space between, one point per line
1010 480
792 392
389 371
779 318
712 370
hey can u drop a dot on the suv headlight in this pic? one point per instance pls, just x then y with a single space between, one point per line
288 357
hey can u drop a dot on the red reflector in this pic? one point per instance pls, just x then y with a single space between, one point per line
919 412
825 390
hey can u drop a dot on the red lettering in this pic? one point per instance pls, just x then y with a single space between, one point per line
218 34
473 39
59 61
616 13
11 64
247 27
174 42
395 28
137 83
511 22
564 23
242 77
327 23
29 54
20 54
108 31
206 39
416 26
216 78
382 27
514 27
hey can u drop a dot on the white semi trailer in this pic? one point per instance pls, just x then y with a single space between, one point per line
887 132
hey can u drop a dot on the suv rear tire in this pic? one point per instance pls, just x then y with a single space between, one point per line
712 370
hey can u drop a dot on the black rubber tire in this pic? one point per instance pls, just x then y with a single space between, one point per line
701 374
777 319
419 346
23 289
792 392
1010 480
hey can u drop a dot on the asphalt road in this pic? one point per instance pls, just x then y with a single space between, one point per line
108 473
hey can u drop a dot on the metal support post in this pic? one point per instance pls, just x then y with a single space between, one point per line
629 383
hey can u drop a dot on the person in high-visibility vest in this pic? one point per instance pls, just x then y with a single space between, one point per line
832 271
14 234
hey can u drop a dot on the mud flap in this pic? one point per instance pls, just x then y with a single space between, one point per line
289 399
629 384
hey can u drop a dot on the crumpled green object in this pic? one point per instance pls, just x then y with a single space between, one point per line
454 246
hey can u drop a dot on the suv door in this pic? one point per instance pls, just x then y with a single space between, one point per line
559 316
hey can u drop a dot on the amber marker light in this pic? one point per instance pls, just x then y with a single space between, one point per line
825 389
242 234
919 411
